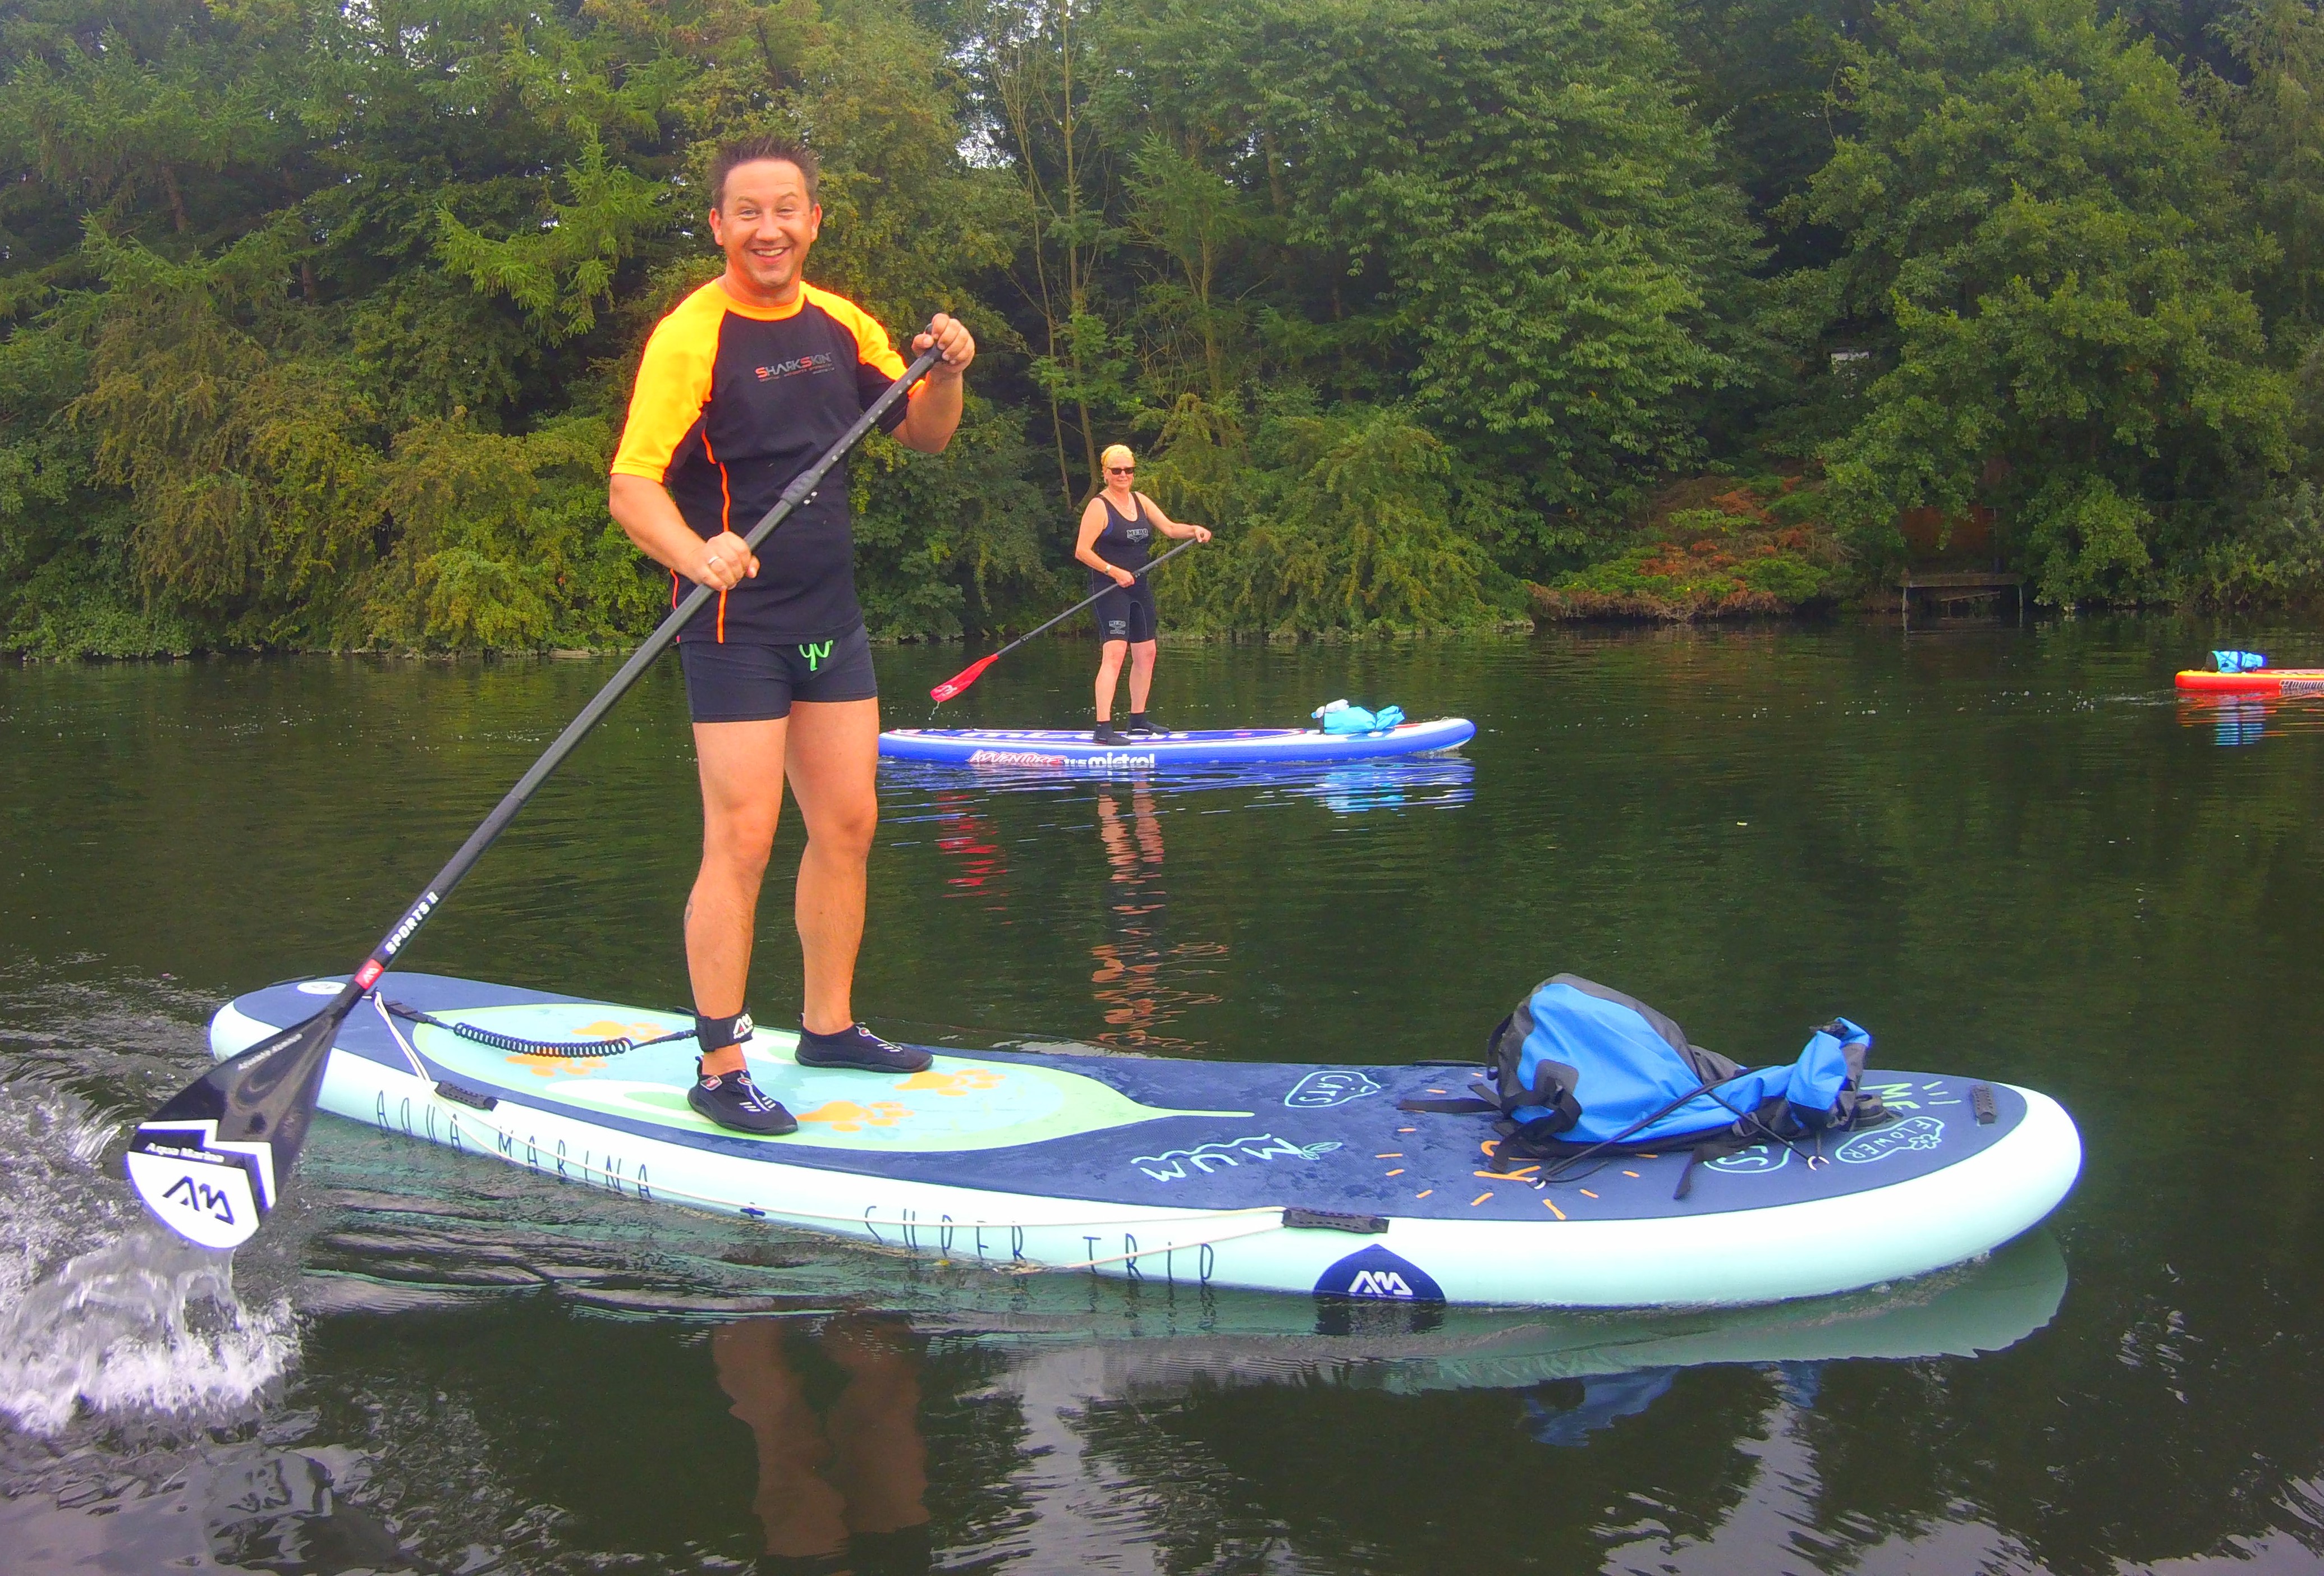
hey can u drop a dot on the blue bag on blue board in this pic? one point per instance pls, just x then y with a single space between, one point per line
2237 661
1578 1066
1340 717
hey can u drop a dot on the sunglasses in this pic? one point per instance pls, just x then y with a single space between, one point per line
1119 470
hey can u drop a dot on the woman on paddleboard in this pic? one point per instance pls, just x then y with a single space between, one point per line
1118 528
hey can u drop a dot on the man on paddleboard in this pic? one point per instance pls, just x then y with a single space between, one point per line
743 385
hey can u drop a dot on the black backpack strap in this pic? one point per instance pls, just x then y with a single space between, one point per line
1483 1102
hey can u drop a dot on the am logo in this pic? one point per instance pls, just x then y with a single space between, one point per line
201 1196
1376 1275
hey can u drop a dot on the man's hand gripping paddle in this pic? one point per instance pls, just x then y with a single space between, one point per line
213 1162
975 670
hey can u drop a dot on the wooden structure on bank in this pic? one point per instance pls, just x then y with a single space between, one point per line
1943 588
1953 562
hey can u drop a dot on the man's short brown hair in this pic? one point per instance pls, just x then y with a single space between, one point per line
749 150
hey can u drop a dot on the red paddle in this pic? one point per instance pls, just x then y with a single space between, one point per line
975 670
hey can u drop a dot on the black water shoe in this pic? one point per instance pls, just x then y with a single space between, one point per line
1142 726
858 1047
733 1101
1105 734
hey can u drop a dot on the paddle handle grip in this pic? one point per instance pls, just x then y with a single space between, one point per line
801 489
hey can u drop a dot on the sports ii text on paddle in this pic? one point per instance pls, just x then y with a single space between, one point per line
212 1163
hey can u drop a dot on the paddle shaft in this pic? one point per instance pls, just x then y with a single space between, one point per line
952 687
1093 596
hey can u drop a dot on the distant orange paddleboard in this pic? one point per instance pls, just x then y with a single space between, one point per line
2256 681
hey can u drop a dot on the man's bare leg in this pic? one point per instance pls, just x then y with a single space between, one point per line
742 768
834 762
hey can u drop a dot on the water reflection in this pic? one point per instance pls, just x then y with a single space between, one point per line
2246 719
2234 719
498 1373
1145 982
842 1479
913 791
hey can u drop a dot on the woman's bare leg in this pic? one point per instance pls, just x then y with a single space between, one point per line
1141 674
1109 673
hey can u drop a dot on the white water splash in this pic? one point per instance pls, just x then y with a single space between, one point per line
99 1309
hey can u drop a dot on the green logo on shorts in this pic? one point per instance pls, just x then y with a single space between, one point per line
816 655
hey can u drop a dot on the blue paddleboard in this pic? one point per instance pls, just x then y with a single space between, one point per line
1060 749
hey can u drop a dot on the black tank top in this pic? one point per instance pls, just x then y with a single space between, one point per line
1123 543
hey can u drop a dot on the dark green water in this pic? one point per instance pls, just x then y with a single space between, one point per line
2012 854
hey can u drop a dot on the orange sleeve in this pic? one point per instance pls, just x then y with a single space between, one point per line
877 363
672 387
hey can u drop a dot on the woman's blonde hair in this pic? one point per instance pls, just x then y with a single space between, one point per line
1116 454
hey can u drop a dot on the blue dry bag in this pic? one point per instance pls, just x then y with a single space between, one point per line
2237 661
1340 717
1580 1066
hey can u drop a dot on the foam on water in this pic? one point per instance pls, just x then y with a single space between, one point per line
98 1307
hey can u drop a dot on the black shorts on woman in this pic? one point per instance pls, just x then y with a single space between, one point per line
1124 613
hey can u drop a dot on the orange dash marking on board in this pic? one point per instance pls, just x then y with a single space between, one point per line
1439 1092
1646 1156
1587 1193
1423 1193
1391 1154
1408 1129
1480 1198
1552 1209
1629 1174
1397 1172
1507 1175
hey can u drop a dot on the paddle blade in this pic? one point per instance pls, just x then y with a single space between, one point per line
964 678
211 1163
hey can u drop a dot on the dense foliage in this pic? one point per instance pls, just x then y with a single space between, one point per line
319 316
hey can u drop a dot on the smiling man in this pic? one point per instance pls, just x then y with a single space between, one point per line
743 387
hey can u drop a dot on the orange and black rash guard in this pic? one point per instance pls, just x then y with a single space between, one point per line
732 403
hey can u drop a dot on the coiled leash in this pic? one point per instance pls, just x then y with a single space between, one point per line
574 1049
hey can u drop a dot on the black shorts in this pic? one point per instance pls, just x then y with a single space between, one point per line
736 681
1125 612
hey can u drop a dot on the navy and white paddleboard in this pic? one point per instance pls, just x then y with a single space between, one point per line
1060 749
1266 1176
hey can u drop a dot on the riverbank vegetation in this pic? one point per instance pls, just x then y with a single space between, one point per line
1447 313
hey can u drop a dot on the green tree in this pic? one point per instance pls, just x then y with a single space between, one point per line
2276 122
2044 245
319 316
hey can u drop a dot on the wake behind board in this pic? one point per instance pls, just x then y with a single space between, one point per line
1266 1176
2262 681
1061 750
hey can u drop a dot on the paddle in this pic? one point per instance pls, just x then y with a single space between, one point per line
212 1163
975 670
